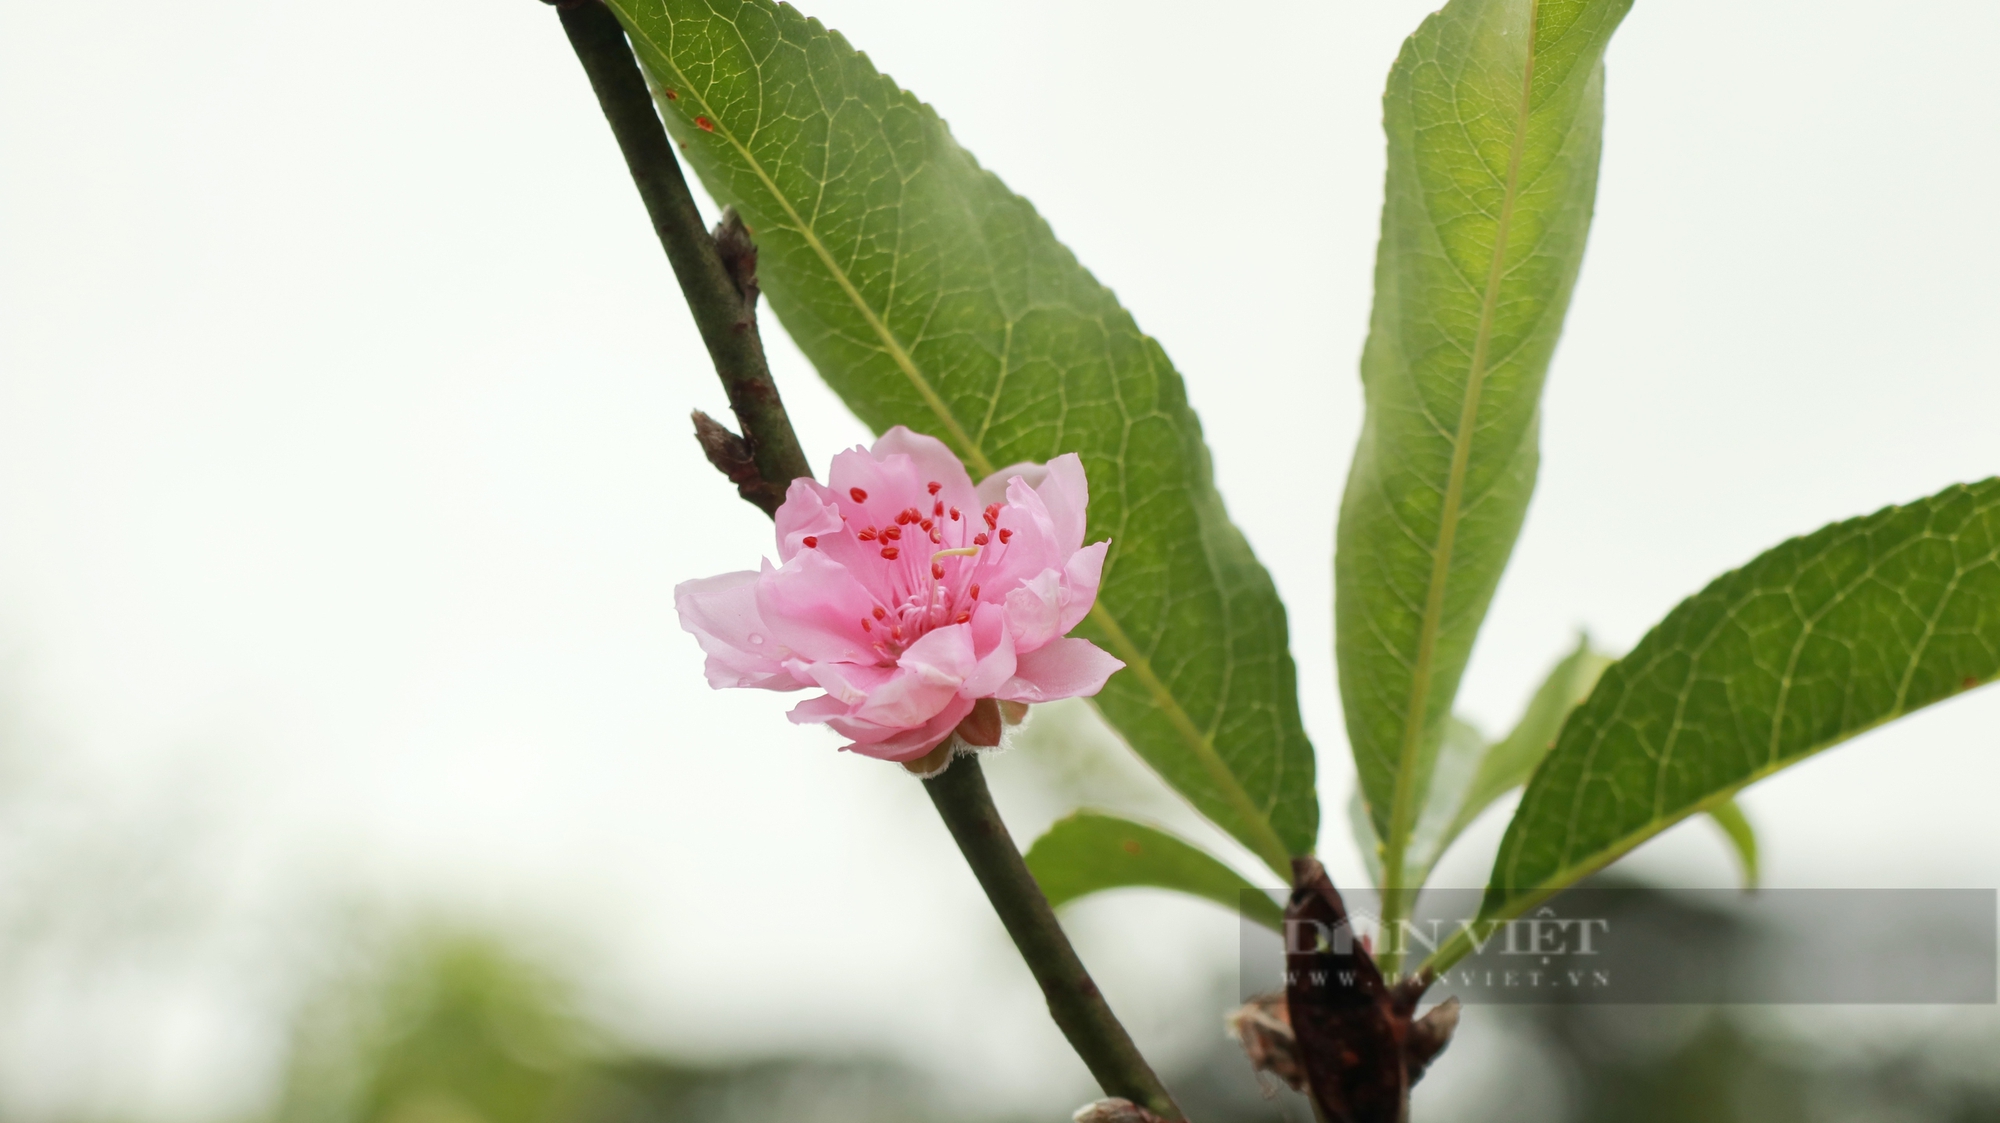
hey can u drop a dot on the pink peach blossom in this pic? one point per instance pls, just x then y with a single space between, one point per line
908 595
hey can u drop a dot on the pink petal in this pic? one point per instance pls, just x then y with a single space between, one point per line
1034 610
817 711
927 677
1065 493
933 461
1065 668
909 744
849 682
1061 486
1081 578
889 487
814 607
908 702
1031 545
993 489
996 663
808 511
811 510
895 476
721 612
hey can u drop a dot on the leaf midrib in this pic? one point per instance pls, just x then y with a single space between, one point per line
1402 807
1572 871
1264 841
1455 948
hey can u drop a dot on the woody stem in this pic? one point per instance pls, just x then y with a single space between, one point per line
724 312
962 798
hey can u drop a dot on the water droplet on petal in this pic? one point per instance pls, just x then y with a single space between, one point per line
755 638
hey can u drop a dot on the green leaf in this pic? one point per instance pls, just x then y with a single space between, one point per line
1820 639
1494 114
1509 764
929 295
1742 838
1458 763
1089 852
1470 775
1362 829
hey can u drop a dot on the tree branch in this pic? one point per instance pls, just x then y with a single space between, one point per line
717 272
718 277
962 798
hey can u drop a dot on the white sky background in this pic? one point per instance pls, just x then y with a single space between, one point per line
345 470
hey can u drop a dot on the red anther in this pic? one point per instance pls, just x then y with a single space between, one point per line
867 535
892 534
890 552
935 487
993 514
962 618
979 540
937 570
973 592
896 632
866 626
954 514
879 613
1005 535
937 537
858 495
704 124
937 509
926 523
811 542
903 518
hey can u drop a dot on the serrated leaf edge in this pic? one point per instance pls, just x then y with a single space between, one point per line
1570 874
1265 841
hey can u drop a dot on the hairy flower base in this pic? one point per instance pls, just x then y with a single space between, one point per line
909 596
983 728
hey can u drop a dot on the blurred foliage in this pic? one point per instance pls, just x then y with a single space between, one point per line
1582 1063
1719 1068
448 1023
448 1027
451 1026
